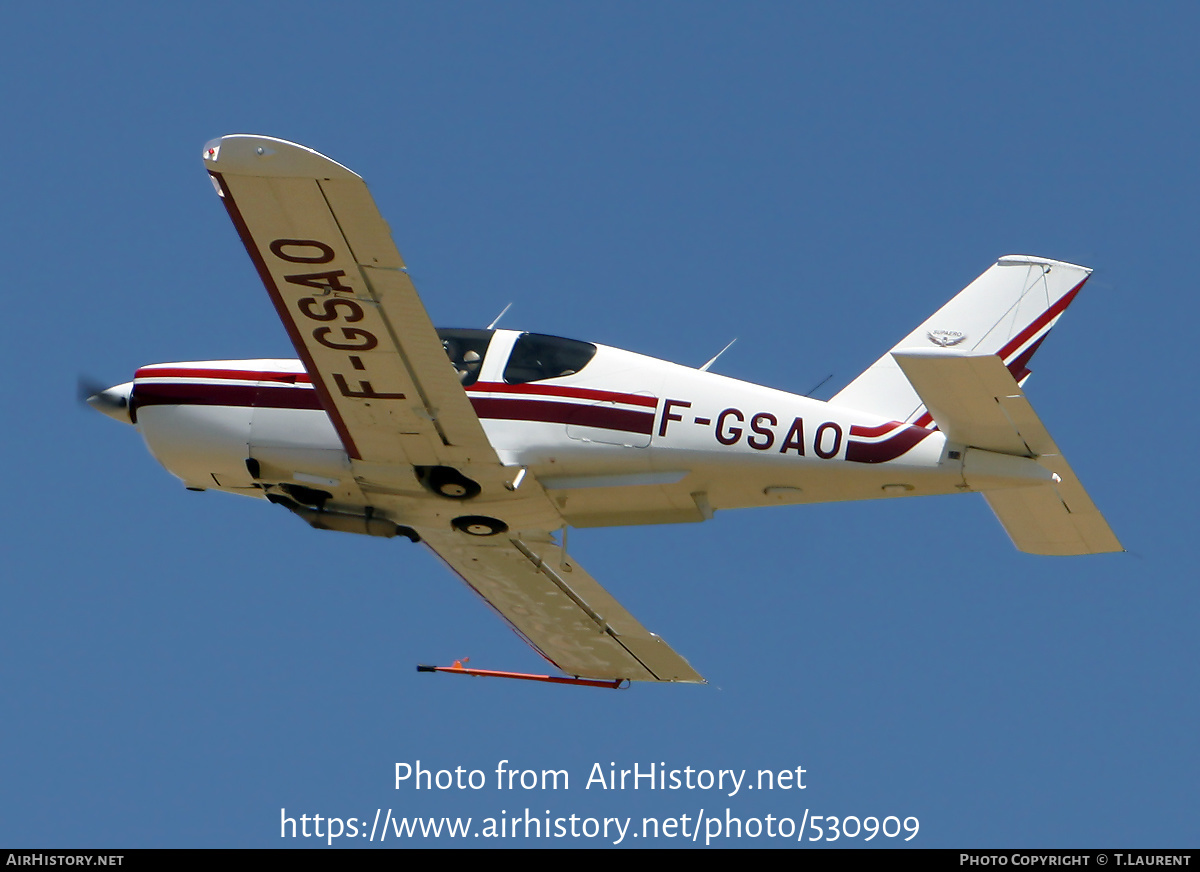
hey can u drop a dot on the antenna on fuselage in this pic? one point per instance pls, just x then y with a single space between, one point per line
718 354
818 385
496 320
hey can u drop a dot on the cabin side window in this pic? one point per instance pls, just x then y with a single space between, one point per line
536 357
466 350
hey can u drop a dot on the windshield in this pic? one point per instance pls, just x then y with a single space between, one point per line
536 357
466 350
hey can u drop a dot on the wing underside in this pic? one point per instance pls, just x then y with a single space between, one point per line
340 287
327 259
558 608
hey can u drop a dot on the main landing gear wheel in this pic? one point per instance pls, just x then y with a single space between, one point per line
451 483
477 525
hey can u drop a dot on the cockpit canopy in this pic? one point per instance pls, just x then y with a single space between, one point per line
534 356
466 350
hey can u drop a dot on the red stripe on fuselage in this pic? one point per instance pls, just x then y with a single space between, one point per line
889 449
869 432
480 387
149 372
257 396
570 414
151 393
564 391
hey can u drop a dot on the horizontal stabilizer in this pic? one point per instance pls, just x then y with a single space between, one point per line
1058 519
975 400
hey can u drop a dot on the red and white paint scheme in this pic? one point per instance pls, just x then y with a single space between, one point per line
488 456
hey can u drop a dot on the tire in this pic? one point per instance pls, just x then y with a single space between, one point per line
450 483
477 525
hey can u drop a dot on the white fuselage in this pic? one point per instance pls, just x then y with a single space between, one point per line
627 439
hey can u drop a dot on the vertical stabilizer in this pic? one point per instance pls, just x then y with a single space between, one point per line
1007 312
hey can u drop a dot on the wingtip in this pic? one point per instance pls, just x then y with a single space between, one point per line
256 155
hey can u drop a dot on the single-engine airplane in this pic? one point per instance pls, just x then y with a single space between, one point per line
487 455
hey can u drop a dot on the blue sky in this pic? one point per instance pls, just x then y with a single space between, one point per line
815 180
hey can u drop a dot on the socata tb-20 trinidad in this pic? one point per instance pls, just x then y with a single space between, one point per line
487 456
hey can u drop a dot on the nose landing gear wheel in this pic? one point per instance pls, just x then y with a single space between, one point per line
477 525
